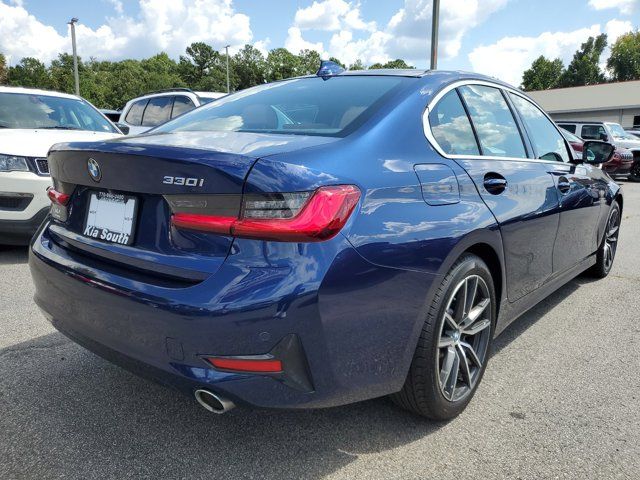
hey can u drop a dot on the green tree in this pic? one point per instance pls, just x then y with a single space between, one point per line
543 74
3 69
335 60
61 73
203 68
397 63
29 72
281 63
309 62
624 61
358 65
584 69
249 67
376 66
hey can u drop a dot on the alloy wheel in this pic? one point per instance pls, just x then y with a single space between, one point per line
464 338
611 238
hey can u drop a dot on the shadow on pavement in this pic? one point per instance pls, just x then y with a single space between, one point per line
10 255
66 412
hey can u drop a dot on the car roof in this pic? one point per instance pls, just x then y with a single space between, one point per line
597 122
36 91
211 94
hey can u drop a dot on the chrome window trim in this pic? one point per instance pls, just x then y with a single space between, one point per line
460 83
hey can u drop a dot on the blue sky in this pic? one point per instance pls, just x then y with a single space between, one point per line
498 37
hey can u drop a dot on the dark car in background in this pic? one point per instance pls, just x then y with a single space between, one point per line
323 240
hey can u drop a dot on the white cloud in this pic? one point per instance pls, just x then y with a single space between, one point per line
117 6
406 35
294 43
160 26
626 7
509 57
331 15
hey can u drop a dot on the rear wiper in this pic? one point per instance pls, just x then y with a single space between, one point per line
58 127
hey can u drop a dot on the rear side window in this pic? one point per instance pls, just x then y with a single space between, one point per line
593 132
497 130
451 128
181 105
157 112
134 116
547 142
568 128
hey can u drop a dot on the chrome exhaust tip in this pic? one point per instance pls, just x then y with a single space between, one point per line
212 402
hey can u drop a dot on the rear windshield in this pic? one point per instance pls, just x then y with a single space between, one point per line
22 110
306 106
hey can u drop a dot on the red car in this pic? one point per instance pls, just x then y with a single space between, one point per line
620 163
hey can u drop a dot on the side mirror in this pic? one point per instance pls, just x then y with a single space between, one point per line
123 128
604 137
596 153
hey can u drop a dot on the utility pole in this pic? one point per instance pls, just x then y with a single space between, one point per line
435 20
227 49
75 54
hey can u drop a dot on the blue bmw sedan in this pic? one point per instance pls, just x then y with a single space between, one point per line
323 240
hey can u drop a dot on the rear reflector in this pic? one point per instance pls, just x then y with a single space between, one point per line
262 365
285 217
58 197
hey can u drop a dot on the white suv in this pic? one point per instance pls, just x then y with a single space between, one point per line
31 121
153 109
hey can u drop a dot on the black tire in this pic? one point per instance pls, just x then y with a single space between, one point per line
634 174
607 251
423 391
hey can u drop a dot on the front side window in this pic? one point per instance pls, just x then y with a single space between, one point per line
497 130
451 128
547 142
593 132
32 111
303 106
134 115
158 111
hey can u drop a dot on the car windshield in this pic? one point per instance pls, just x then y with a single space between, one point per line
306 106
23 110
618 132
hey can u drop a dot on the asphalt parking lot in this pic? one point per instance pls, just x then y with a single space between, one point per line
560 399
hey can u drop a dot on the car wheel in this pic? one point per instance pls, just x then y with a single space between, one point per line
634 174
607 251
454 344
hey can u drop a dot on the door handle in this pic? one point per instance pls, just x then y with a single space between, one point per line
564 185
495 183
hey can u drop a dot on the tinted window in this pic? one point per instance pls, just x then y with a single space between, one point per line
180 105
497 130
547 142
568 128
451 127
23 110
332 107
158 111
134 116
593 132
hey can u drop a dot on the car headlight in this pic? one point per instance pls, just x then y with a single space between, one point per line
12 163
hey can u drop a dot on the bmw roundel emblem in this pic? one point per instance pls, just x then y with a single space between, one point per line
94 170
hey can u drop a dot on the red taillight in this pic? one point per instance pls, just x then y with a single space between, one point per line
58 197
289 217
262 365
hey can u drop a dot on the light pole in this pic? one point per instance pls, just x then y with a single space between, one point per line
75 54
435 20
227 49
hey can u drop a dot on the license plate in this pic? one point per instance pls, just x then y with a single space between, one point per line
111 217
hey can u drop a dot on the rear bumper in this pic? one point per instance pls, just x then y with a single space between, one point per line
356 323
20 232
